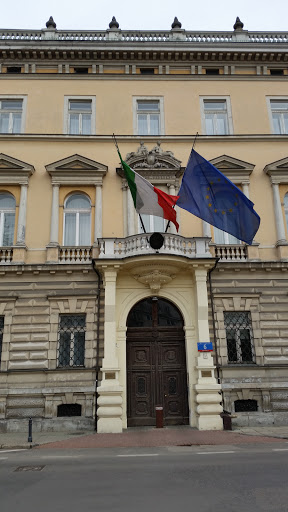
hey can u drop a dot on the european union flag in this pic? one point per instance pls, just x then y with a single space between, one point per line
208 194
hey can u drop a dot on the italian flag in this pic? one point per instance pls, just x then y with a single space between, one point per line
149 199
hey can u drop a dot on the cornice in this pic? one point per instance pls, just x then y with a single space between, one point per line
146 138
145 78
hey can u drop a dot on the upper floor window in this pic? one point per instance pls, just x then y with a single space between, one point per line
7 219
223 238
77 220
239 336
80 115
216 116
152 224
279 112
1 334
11 110
148 116
71 340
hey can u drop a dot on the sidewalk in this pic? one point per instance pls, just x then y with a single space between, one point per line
169 436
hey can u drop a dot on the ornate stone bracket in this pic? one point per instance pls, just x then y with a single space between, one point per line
155 278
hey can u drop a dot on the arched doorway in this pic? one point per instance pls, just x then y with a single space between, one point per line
156 363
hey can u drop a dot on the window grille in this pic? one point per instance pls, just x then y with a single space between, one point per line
239 337
71 341
68 410
246 405
1 334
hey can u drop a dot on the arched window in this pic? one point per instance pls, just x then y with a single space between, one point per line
7 219
77 220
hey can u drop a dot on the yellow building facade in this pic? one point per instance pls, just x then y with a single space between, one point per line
97 327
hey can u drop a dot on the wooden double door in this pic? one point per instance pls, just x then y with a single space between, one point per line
156 364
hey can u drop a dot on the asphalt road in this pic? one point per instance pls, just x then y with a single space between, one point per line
200 479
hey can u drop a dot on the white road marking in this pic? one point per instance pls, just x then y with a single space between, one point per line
212 453
9 451
280 449
140 455
3 458
61 456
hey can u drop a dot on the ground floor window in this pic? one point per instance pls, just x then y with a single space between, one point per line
71 340
239 337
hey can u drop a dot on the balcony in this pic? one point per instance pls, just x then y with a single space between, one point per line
6 255
230 252
138 245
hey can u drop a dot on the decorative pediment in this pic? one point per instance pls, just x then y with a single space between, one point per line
13 171
236 170
278 171
155 165
76 170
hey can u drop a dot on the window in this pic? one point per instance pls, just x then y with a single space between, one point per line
239 337
246 405
77 221
152 224
212 71
223 238
279 112
7 219
79 115
148 116
11 115
1 334
216 116
71 340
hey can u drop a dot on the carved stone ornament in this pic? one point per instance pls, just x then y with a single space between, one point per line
156 158
51 23
155 278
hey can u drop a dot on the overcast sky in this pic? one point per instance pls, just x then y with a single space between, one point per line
257 15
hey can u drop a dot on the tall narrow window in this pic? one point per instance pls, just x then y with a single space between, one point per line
148 117
239 337
223 238
80 117
7 219
152 224
279 110
11 115
71 340
216 117
1 334
77 221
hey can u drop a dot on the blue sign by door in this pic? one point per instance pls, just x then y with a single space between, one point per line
205 347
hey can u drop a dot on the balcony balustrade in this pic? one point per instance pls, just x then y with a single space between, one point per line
6 255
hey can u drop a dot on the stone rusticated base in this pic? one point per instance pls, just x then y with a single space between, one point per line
209 408
71 424
109 410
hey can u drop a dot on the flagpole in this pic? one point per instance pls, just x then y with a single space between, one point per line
117 147
194 142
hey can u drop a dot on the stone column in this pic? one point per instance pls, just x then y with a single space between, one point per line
110 392
98 214
206 229
22 216
52 248
208 395
19 251
280 227
130 214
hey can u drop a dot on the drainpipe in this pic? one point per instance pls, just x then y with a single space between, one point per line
97 340
213 320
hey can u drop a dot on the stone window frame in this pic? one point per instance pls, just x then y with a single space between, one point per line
65 211
135 99
269 108
23 98
221 98
237 302
66 113
81 304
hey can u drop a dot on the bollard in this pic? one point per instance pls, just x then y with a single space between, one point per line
30 431
159 416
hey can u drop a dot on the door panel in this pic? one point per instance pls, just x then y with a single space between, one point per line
156 366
